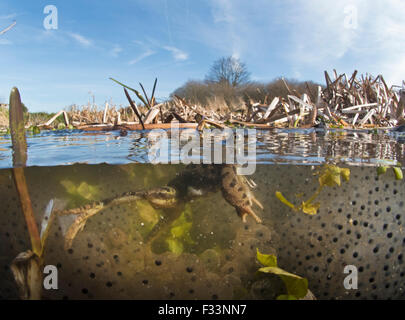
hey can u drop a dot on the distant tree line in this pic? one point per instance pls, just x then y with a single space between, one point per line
229 79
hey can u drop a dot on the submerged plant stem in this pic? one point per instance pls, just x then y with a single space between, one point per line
26 205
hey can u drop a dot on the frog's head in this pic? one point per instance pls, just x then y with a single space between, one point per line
162 197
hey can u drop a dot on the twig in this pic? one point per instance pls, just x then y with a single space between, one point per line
8 28
134 108
146 96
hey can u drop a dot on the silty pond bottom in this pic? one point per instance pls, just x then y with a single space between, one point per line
206 251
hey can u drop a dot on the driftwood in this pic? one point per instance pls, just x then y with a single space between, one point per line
137 126
49 122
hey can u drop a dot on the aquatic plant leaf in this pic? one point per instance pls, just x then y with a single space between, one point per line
152 97
284 200
34 129
330 176
146 96
87 191
46 224
398 173
27 209
175 246
69 186
133 90
179 234
61 126
286 297
16 121
345 173
181 230
296 286
381 170
266 260
79 194
147 213
310 208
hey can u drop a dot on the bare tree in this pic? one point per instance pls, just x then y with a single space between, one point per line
228 70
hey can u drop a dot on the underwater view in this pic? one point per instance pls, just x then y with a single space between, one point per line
201 231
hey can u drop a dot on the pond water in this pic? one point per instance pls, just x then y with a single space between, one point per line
287 146
199 248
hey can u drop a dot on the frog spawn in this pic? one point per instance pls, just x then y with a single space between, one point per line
110 260
359 223
113 264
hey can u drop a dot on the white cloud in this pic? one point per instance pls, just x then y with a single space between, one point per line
115 51
81 39
318 32
230 37
9 16
222 11
5 42
319 38
309 36
178 54
142 56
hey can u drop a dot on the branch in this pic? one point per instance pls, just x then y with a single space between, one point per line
8 28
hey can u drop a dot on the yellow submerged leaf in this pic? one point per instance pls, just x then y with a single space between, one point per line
175 246
345 172
69 186
286 297
296 285
84 190
381 170
181 230
267 260
330 176
310 208
280 197
87 191
398 173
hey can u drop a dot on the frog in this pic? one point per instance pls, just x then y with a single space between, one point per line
194 181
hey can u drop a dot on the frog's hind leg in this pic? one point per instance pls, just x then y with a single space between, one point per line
253 199
247 211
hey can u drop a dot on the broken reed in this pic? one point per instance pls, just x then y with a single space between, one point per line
19 143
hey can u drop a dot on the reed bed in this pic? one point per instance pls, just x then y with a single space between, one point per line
344 102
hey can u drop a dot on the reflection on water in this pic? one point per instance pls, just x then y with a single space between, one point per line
288 146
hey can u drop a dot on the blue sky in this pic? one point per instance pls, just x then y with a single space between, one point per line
177 40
